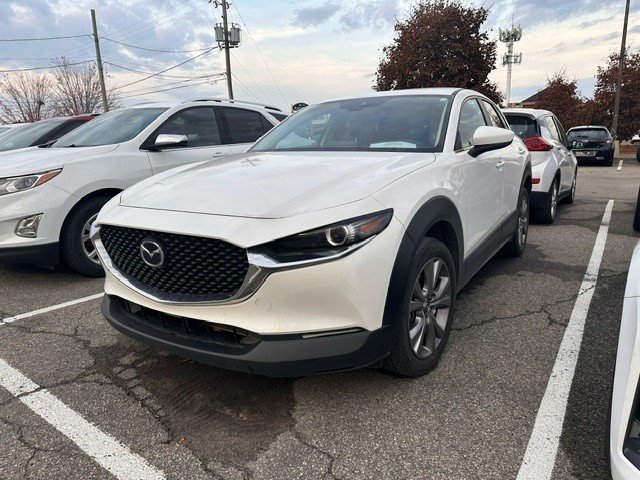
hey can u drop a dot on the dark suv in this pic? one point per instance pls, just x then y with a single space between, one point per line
592 143
41 132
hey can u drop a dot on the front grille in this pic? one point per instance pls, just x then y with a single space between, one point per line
194 269
191 328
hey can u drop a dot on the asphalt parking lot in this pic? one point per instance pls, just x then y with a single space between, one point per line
86 402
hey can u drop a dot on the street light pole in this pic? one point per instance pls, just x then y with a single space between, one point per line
96 40
623 48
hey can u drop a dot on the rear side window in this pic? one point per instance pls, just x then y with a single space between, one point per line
279 116
523 126
549 129
471 118
494 116
199 125
245 126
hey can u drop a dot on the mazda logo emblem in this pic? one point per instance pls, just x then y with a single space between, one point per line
151 253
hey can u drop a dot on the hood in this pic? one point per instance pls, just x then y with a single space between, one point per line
275 184
34 159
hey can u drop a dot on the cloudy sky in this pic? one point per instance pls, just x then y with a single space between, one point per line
293 50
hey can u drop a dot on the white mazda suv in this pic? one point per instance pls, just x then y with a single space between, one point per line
339 240
554 166
49 197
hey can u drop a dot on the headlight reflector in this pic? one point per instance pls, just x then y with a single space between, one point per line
25 182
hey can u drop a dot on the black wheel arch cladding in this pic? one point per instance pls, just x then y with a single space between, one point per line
438 209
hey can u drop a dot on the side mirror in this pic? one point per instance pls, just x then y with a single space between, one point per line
486 139
168 140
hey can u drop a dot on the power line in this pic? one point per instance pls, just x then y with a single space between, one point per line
251 78
141 72
41 38
260 53
172 88
165 70
152 49
144 89
42 68
244 87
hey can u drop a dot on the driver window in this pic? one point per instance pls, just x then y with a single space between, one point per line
471 118
197 124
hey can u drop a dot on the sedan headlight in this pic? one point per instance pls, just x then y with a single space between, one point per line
325 242
26 182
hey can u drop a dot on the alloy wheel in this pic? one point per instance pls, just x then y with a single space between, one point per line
554 200
85 239
523 221
429 307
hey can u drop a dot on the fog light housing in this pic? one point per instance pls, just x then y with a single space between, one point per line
28 226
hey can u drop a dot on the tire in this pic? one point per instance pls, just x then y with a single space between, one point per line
569 199
638 154
611 158
74 245
636 216
422 334
518 242
546 212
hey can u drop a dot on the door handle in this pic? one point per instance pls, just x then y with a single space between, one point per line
218 154
501 164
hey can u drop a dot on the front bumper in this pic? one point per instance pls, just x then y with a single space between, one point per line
276 355
46 199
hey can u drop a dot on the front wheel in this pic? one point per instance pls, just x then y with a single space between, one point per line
427 313
75 246
518 242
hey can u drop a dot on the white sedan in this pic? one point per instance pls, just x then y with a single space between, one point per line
339 240
555 167
625 413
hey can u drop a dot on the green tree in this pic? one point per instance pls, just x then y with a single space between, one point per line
441 44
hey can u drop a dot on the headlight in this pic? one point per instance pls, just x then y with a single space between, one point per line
325 242
26 182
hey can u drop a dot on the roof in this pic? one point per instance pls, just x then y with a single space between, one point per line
203 100
444 91
531 112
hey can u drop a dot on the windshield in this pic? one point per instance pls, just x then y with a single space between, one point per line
28 135
595 133
114 127
411 123
523 126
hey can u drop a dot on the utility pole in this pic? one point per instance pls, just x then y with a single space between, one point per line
510 36
623 48
96 40
227 38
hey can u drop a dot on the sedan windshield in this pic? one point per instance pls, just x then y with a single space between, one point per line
114 127
593 133
411 123
27 135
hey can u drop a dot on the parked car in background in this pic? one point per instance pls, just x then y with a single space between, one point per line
42 132
49 197
636 138
554 166
592 143
340 239
624 438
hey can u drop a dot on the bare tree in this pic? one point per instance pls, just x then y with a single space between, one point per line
76 89
24 97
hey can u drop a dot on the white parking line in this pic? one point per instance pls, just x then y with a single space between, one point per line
620 165
7 320
540 456
104 449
